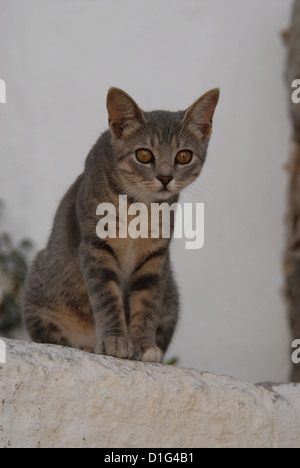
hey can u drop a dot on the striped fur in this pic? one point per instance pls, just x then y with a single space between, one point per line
117 296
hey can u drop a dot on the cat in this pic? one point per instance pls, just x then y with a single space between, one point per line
118 296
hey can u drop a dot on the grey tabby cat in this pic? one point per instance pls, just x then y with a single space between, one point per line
117 296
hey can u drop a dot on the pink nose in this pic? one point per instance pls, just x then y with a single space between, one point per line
165 180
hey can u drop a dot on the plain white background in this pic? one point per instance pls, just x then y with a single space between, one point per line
59 57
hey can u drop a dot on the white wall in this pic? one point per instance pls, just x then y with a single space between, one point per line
59 57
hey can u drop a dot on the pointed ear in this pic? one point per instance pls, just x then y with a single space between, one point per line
200 115
123 112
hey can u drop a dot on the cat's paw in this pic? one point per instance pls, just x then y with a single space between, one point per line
153 354
117 346
148 353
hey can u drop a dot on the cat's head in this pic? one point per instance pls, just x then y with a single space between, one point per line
159 153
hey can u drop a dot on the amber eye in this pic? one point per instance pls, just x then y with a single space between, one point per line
184 157
144 156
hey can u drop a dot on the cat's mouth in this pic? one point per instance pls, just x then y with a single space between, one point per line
164 193
156 194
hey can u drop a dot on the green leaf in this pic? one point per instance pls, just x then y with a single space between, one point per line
173 361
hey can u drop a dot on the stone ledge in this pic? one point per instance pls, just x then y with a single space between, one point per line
59 397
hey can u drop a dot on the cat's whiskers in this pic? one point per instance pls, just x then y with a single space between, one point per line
197 192
135 192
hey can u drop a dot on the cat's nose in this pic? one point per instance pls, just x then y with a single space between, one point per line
165 180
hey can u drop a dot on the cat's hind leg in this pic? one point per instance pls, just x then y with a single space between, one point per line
42 329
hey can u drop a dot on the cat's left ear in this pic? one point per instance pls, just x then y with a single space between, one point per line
124 115
199 115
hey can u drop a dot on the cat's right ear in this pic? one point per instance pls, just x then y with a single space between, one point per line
124 115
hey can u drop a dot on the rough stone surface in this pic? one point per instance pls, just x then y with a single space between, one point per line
58 397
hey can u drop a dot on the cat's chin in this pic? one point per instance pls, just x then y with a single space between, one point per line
161 195
156 197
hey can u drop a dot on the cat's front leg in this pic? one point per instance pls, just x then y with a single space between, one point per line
145 301
101 273
144 322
